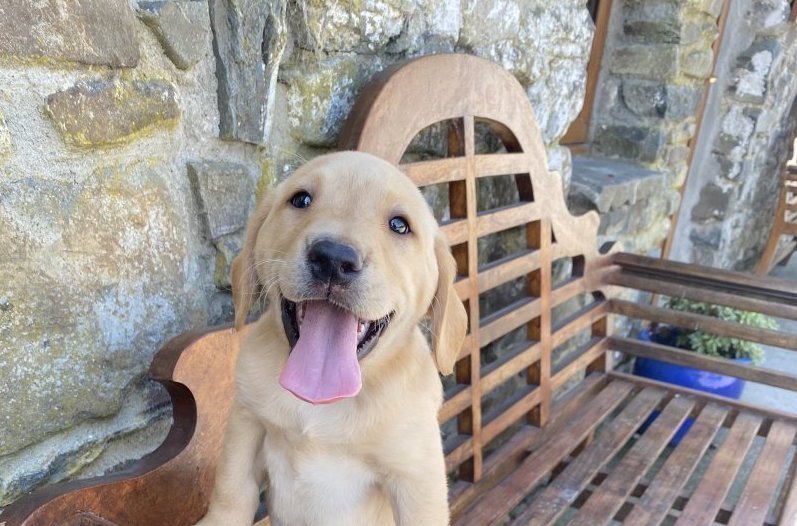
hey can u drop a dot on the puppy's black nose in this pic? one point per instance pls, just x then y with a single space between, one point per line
334 262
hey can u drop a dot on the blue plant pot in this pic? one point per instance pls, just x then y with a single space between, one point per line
718 384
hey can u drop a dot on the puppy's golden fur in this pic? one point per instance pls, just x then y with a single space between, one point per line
375 458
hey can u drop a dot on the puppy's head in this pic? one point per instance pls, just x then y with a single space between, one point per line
348 251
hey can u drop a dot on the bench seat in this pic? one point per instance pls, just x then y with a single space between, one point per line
594 464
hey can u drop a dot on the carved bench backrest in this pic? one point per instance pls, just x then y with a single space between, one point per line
527 268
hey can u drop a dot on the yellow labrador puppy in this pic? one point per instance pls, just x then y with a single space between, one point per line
337 389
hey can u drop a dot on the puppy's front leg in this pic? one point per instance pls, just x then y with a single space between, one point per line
238 475
420 497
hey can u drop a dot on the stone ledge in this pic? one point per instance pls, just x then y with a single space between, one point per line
609 184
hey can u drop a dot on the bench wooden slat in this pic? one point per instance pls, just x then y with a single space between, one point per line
692 321
503 270
501 164
508 319
500 219
506 269
666 486
708 397
450 169
609 497
504 460
593 350
462 451
425 173
789 513
578 321
498 372
707 499
761 485
694 291
492 507
742 283
565 488
700 361
455 405
456 231
568 289
492 426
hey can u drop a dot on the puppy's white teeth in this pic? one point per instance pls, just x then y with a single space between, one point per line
362 329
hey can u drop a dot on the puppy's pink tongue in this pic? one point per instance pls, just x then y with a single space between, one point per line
323 367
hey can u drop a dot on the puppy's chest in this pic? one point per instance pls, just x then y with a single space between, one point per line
308 476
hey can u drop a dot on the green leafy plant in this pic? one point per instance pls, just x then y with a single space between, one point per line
713 345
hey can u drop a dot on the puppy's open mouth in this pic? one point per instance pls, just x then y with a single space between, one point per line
327 342
368 331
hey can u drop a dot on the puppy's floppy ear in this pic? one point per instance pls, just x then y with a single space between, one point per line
243 275
449 320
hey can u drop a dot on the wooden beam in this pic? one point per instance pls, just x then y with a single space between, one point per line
698 322
699 361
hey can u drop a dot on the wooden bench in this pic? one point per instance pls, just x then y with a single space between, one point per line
538 426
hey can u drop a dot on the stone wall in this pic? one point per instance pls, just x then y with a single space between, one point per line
135 137
730 200
658 55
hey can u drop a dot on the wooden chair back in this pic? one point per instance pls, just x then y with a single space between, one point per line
517 355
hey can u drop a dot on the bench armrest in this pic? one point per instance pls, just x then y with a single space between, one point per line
766 295
170 486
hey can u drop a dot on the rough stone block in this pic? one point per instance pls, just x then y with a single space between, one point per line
486 22
353 26
752 57
735 132
753 71
683 100
90 448
321 94
100 285
728 168
224 193
769 17
181 27
644 98
612 185
100 112
677 155
658 62
692 31
697 64
629 142
227 247
249 39
97 33
712 205
347 25
655 99
706 236
653 31
712 7
652 21
221 309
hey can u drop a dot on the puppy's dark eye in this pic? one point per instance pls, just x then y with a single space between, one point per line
399 225
301 199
